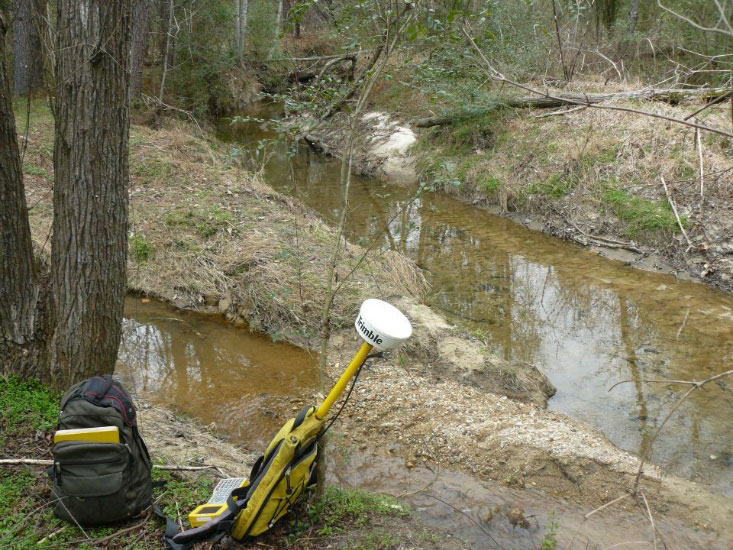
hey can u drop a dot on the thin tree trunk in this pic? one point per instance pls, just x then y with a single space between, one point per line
89 243
166 53
237 27
20 349
633 16
27 56
243 14
241 8
140 11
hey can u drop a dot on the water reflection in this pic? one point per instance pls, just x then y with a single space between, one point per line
587 322
242 382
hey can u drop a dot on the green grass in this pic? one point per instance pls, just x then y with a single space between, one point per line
140 249
205 221
338 505
33 170
490 184
640 214
557 186
26 406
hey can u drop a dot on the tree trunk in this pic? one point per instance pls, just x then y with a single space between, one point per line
140 11
89 243
27 55
21 351
633 16
241 9
237 27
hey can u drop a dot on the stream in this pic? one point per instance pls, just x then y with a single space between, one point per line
587 322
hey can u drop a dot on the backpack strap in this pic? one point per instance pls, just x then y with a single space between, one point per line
301 416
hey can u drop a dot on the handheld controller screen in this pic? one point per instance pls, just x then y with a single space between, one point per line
217 504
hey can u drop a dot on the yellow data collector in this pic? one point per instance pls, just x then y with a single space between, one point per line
217 504
103 434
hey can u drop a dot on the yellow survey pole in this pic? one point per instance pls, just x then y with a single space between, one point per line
331 398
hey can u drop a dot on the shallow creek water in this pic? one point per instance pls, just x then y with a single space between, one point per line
586 321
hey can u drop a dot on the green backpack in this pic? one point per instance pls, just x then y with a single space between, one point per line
97 483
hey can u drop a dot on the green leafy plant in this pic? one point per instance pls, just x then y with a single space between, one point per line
140 248
549 541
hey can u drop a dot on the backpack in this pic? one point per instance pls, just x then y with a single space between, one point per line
98 483
277 479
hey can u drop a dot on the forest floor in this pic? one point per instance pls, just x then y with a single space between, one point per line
206 235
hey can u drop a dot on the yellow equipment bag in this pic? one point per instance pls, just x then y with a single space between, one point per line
277 479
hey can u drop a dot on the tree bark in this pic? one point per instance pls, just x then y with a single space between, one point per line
27 55
20 351
140 11
89 243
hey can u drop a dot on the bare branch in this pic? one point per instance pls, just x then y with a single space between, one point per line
496 75
728 30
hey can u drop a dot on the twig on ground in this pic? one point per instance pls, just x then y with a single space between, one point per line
626 543
604 506
699 159
651 519
676 214
608 243
51 535
561 112
8 533
122 531
49 462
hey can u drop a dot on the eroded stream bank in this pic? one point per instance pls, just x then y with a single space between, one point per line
404 433
587 322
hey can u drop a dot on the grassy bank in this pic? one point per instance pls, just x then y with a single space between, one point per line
206 234
590 175
342 518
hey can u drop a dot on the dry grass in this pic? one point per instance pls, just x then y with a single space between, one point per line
208 233
567 165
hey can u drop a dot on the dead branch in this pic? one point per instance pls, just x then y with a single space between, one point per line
610 503
694 385
651 519
709 104
676 214
48 462
583 99
723 19
560 113
547 101
699 158
608 243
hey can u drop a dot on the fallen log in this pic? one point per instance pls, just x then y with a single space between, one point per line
672 95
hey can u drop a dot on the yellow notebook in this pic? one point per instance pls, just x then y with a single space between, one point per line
103 434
